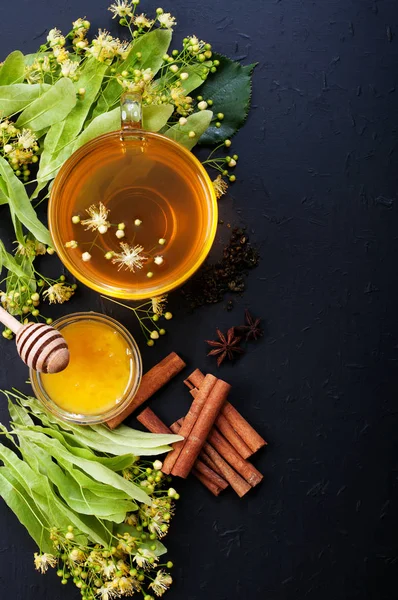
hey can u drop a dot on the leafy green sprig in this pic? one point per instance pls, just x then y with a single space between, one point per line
96 511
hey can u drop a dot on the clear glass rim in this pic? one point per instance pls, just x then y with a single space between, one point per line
82 419
96 284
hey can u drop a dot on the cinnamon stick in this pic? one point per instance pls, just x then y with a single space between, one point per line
234 438
237 482
201 429
200 467
151 382
189 421
247 433
228 452
214 483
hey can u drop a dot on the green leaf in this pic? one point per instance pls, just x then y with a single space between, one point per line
13 68
82 501
105 123
20 203
9 262
152 46
21 503
53 106
59 141
100 489
197 122
94 469
3 192
154 117
124 528
230 91
16 97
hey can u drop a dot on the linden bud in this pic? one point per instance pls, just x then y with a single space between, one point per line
183 121
202 105
75 219
154 335
137 222
168 316
171 492
120 234
149 274
232 163
162 241
109 255
227 143
158 260
191 134
150 343
157 465
35 297
102 229
121 226
71 244
184 76
82 91
50 251
173 68
162 332
86 256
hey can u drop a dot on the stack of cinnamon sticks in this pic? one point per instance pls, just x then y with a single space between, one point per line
217 439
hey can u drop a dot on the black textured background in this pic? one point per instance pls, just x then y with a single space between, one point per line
317 187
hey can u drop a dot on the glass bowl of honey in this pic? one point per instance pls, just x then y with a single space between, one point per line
103 375
133 214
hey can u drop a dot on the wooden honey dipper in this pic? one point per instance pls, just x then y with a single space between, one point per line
40 346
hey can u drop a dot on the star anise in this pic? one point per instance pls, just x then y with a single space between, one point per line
252 329
227 347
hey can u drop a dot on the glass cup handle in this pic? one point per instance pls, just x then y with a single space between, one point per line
131 111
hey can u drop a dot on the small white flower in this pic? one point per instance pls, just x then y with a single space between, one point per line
98 217
220 186
161 583
71 244
121 9
142 557
141 21
166 20
158 260
58 293
69 68
158 305
86 256
108 569
130 257
43 561
26 139
55 38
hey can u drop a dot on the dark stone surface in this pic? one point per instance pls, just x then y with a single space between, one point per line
318 188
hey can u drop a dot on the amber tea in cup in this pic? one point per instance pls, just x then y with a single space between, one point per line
156 189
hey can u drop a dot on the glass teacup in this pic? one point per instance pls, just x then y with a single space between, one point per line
154 189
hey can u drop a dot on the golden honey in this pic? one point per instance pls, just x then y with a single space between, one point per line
99 373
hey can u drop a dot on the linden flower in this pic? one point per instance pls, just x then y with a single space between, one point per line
142 21
144 557
59 293
43 561
69 68
121 9
98 220
161 583
158 305
131 257
108 569
55 38
26 139
107 592
166 20
220 186
104 47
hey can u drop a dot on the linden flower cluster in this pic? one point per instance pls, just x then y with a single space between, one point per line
18 147
130 563
20 300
